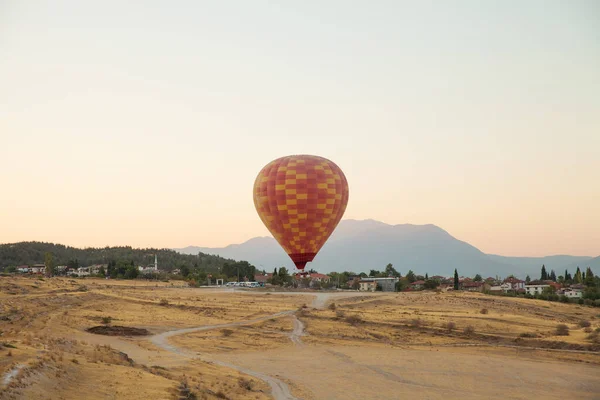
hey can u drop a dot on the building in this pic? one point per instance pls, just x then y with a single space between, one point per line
367 285
38 269
24 269
535 289
318 277
515 284
475 286
573 293
417 285
263 278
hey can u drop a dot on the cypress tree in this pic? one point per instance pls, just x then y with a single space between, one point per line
544 273
455 279
553 276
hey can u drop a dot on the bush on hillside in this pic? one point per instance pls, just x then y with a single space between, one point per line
562 330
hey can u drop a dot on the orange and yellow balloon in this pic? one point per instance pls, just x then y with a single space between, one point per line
301 199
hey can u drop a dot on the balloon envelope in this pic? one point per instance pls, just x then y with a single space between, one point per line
301 199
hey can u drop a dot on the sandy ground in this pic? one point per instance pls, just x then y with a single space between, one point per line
295 345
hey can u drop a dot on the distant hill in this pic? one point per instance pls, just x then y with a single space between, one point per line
364 245
29 253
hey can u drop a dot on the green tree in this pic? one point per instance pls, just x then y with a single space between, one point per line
456 281
374 273
553 276
391 271
401 284
544 274
426 276
577 278
11 270
131 272
527 279
49 262
477 278
589 277
185 271
410 276
284 276
431 284
101 271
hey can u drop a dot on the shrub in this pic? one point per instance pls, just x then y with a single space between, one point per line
9 354
354 319
332 307
340 314
588 302
416 323
588 330
450 326
106 320
75 361
484 311
580 301
564 299
562 330
226 332
528 335
164 302
9 346
584 324
246 384
469 330
220 395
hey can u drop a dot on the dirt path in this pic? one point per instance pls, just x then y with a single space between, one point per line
279 389
8 377
297 332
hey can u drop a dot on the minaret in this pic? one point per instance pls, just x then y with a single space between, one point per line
155 263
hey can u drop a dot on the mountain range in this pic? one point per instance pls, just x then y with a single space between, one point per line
368 244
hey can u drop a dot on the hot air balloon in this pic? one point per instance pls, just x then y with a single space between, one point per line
301 199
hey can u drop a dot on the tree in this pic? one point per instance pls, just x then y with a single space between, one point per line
49 262
431 284
589 277
185 271
101 271
553 276
131 272
577 278
374 273
401 284
527 279
544 275
410 276
391 271
426 276
456 282
11 270
477 278
284 276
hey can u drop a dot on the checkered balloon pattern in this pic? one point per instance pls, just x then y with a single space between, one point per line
301 199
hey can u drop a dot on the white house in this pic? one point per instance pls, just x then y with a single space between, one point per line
83 271
535 289
24 269
38 269
573 293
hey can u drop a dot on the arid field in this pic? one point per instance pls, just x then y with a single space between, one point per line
104 339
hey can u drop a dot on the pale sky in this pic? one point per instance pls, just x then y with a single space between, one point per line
144 123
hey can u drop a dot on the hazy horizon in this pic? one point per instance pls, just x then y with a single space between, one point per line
146 126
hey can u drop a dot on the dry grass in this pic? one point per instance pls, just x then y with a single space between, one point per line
37 320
